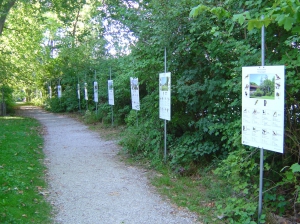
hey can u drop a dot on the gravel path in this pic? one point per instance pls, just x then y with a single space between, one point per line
88 184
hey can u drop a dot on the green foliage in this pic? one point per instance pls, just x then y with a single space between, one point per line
22 180
284 13
291 179
258 92
239 171
207 43
6 94
54 105
90 117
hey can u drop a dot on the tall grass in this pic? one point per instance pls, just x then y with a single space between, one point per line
22 173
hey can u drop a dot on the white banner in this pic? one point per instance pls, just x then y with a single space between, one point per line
135 95
111 100
50 92
86 96
263 107
78 91
165 96
96 92
59 91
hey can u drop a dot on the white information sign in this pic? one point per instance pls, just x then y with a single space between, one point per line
86 96
135 95
78 91
96 92
165 96
50 92
263 107
59 91
111 100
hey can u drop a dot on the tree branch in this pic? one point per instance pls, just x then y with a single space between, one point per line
4 12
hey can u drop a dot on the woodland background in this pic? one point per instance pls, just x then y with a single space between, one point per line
44 43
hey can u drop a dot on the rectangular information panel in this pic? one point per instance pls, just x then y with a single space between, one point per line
263 107
78 91
111 100
165 96
96 92
59 91
86 96
135 95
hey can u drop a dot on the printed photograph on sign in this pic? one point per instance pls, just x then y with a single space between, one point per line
134 84
262 86
164 83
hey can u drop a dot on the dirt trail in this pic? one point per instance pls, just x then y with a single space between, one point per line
88 184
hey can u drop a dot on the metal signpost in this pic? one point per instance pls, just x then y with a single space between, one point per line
111 100
261 163
96 93
78 95
50 91
263 110
165 101
86 97
59 92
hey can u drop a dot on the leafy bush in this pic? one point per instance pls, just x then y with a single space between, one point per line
54 105
258 92
6 92
240 171
90 117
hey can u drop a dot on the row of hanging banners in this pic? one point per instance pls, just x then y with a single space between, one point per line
262 104
164 94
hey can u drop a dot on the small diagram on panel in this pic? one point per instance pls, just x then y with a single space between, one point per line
246 87
277 77
275 114
277 85
264 132
275 133
277 95
245 128
265 102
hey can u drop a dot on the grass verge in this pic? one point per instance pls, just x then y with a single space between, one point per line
22 173
198 193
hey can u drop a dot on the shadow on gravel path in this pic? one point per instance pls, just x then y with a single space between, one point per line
88 184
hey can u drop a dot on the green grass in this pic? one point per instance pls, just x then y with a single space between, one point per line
198 193
22 173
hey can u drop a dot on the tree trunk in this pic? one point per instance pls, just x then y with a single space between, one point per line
4 10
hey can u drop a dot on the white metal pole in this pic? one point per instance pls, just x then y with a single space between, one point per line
78 92
112 107
261 170
94 93
165 126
